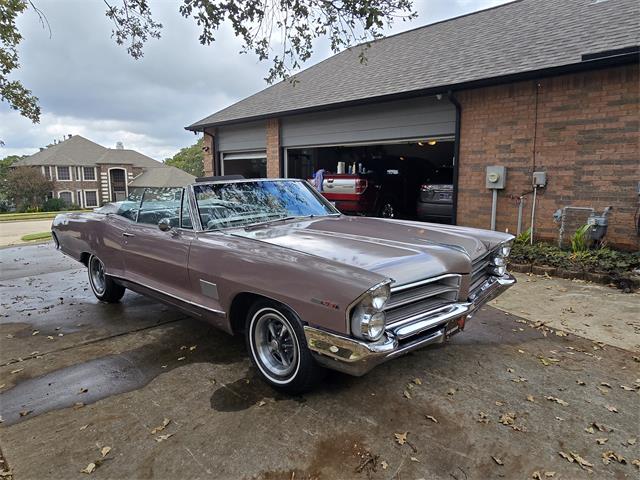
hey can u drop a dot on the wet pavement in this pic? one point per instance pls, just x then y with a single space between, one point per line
77 375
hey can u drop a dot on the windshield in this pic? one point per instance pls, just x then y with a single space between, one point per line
239 204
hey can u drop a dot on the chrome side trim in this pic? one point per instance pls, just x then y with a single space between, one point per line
213 310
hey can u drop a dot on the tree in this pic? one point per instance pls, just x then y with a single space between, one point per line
262 25
27 188
190 159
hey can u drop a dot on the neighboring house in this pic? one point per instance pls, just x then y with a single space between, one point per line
532 85
159 177
88 175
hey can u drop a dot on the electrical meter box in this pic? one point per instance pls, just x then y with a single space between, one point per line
539 179
496 177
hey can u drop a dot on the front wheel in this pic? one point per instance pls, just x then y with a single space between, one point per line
277 346
103 286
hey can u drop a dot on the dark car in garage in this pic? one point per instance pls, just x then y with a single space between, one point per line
435 201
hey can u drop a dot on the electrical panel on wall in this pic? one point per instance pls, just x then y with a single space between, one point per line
539 179
496 177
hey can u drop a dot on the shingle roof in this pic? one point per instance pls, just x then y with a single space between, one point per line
162 176
518 37
77 151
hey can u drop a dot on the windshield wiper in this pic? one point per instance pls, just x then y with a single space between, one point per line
280 219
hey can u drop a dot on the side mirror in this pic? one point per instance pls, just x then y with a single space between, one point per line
164 225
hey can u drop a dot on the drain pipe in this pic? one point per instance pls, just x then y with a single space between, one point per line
533 211
456 155
520 209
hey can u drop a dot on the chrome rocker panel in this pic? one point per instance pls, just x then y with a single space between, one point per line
357 357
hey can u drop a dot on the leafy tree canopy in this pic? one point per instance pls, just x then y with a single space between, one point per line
279 31
190 159
27 188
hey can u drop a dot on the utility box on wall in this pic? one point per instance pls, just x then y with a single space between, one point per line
496 177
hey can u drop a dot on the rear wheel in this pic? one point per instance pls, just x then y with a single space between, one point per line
277 346
103 286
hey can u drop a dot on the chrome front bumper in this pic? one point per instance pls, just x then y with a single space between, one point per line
357 357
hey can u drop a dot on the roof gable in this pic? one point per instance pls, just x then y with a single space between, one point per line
518 37
76 150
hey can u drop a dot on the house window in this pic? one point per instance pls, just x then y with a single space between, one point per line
89 173
47 172
78 173
90 198
64 173
67 197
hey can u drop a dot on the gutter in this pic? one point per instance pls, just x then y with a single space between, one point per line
589 62
456 155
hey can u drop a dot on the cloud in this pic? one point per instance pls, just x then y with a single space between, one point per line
88 85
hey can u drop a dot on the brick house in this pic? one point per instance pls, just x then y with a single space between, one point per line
88 175
532 85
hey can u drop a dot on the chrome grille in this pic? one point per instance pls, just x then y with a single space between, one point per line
480 271
421 297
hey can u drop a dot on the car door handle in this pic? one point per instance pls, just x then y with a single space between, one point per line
127 234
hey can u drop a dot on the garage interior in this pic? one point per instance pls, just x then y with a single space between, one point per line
406 165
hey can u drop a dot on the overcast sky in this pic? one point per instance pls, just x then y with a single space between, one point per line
89 86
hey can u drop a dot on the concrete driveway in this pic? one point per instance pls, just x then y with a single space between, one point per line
501 400
12 232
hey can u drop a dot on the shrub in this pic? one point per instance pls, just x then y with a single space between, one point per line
54 205
579 240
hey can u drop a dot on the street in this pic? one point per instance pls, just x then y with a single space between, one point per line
174 398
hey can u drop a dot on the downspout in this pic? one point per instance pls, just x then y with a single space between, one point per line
456 155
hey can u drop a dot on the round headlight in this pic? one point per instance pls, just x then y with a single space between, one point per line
379 296
367 323
498 261
504 250
499 270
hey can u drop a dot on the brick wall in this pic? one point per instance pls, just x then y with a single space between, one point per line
586 132
209 154
273 148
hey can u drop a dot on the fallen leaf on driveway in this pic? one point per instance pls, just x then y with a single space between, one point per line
262 403
589 430
530 398
580 382
192 348
611 455
600 427
414 459
165 422
104 451
84 427
17 370
605 384
451 391
497 460
162 438
631 441
584 464
89 468
6 473
482 418
417 381
181 358
557 400
601 441
568 458
35 332
627 388
549 474
406 394
78 405
510 370
560 333
384 464
401 438
432 418
499 403
83 390
24 413
612 409
636 462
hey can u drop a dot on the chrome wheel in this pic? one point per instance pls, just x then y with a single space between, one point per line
275 343
97 276
387 211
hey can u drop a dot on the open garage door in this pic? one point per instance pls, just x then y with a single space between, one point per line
403 179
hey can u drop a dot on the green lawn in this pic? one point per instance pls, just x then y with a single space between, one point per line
36 236
13 217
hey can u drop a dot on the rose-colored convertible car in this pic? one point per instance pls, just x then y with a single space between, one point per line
273 260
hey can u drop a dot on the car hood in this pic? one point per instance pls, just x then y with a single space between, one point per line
401 250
